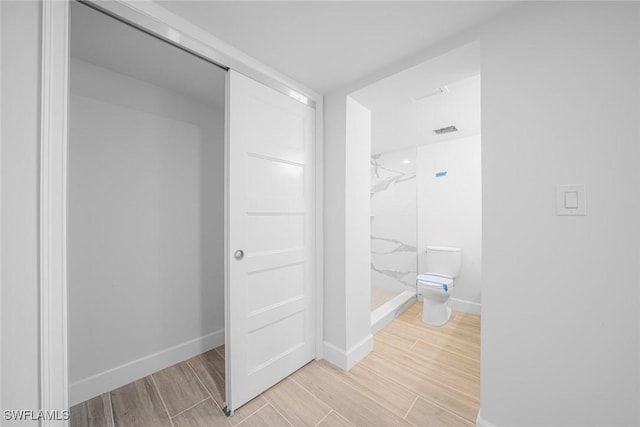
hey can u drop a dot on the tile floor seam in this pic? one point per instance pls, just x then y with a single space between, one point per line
430 333
394 381
429 399
433 332
459 416
276 409
221 355
190 407
426 399
470 359
153 380
463 335
411 407
442 348
449 411
434 403
312 393
434 381
201 383
290 377
367 393
418 394
364 394
326 403
448 365
208 392
343 418
323 418
251 414
113 416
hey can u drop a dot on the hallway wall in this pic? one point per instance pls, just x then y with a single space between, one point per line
555 78
20 36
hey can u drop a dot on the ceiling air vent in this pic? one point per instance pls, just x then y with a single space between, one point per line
440 91
448 129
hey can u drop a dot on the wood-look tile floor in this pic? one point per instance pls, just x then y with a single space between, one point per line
416 376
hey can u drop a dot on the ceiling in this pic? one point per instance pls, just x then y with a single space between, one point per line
108 43
408 106
371 28
327 45
412 124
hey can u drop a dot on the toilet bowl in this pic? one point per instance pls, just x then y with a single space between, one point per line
435 286
435 290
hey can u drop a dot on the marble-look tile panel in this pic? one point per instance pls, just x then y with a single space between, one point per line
393 220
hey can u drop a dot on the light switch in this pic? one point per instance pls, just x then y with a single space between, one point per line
571 200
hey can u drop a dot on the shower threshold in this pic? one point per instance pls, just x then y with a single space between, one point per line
383 315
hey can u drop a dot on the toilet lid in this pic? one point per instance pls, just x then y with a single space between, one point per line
435 280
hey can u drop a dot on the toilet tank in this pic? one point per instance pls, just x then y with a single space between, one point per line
444 260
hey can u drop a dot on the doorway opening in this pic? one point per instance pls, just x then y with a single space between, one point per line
426 188
146 205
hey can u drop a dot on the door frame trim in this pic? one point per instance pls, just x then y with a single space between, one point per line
154 19
53 208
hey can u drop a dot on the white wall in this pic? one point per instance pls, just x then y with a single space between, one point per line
560 105
19 178
357 232
347 288
145 229
450 211
335 113
394 234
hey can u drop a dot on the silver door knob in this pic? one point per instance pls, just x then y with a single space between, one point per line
239 254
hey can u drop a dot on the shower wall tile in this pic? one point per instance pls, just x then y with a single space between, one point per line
393 220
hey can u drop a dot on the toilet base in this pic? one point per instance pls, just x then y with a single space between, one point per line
435 313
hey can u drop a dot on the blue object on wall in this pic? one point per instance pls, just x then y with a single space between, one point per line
441 174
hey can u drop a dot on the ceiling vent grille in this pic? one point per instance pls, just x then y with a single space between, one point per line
440 91
448 129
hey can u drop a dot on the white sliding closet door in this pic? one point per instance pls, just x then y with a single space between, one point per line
270 294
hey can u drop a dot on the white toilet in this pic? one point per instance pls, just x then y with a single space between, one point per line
443 265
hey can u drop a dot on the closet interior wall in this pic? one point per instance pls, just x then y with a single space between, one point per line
146 204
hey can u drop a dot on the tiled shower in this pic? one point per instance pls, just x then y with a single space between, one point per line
393 224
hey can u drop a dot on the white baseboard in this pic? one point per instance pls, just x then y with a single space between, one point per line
481 422
102 382
334 355
465 306
357 352
345 360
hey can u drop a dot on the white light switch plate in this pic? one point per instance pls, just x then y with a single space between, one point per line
571 200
